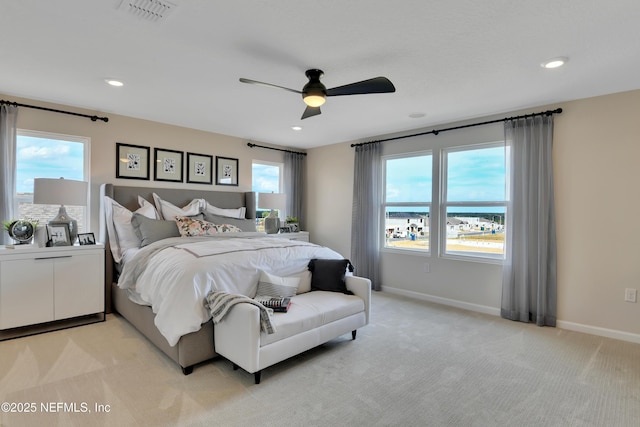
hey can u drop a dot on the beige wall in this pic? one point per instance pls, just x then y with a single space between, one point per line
596 152
597 148
329 196
140 132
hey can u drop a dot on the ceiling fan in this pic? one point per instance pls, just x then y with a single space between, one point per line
314 92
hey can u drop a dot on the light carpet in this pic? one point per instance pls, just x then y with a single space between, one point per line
415 364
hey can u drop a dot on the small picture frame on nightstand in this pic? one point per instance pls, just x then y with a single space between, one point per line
86 239
58 234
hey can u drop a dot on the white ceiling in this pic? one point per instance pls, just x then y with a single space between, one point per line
451 60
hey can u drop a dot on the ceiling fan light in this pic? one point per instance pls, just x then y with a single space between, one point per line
314 92
313 100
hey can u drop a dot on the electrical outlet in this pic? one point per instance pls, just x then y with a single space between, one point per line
630 295
425 267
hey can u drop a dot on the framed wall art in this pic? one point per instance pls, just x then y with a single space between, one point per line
132 161
226 171
199 168
168 165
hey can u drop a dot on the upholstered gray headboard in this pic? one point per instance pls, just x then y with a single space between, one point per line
128 197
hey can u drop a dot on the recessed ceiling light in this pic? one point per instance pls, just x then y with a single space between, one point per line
296 127
114 82
555 62
417 115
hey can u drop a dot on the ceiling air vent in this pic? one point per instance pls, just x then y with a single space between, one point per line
149 10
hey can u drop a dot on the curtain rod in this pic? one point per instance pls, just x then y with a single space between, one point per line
16 104
250 144
436 132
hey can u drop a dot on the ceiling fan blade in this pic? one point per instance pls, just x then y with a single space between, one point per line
310 112
374 85
254 82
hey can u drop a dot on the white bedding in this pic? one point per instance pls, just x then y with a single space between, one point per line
174 275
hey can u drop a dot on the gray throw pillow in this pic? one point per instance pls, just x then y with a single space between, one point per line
242 224
151 230
329 274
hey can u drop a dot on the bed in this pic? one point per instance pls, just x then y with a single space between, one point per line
193 343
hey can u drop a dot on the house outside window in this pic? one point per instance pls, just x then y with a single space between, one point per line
473 201
407 201
49 155
266 177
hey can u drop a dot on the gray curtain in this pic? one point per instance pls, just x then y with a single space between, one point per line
8 119
529 276
365 220
294 185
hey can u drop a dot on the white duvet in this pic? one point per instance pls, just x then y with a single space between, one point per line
174 275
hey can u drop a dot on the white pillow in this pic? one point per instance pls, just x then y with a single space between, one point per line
270 285
232 213
121 233
169 211
142 202
305 282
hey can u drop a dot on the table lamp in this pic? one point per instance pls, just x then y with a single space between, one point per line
272 201
51 191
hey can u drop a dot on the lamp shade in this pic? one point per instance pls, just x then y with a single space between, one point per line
59 191
272 201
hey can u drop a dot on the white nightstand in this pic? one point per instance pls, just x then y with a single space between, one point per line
43 289
298 235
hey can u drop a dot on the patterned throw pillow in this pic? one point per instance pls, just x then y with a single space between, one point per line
190 227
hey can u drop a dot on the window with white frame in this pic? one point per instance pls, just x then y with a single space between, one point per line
473 201
49 155
266 177
407 201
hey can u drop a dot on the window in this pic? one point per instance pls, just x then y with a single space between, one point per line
266 177
47 155
407 200
474 201
470 201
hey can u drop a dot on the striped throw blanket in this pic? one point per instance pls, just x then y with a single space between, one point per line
219 304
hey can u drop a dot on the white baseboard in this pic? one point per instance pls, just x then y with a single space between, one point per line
602 332
562 324
444 301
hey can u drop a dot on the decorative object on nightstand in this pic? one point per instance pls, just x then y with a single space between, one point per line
273 201
50 191
58 234
292 224
22 230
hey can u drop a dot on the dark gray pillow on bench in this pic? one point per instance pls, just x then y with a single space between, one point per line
329 275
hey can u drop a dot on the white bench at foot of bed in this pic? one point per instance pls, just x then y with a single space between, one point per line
314 318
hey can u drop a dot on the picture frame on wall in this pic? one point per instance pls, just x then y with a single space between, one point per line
199 168
132 161
168 165
226 171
